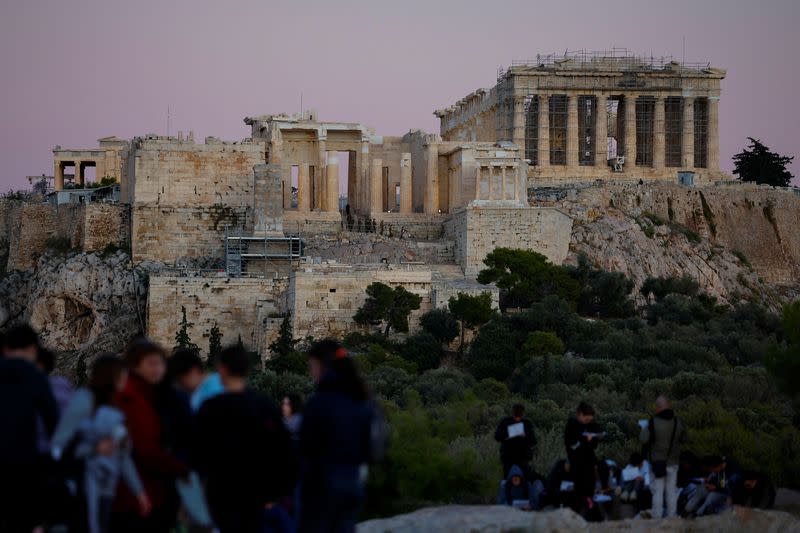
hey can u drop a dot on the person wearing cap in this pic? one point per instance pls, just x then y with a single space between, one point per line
335 438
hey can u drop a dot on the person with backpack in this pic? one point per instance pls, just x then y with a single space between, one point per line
340 434
242 450
662 436
516 438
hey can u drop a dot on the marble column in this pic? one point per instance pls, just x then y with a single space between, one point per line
713 133
58 177
376 186
490 180
572 130
432 181
320 196
687 135
601 133
405 183
503 182
332 183
518 134
78 175
303 188
478 173
659 134
543 142
630 130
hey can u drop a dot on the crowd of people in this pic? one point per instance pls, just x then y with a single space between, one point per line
153 438
662 480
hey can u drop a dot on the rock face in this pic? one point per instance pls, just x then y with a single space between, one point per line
479 519
82 305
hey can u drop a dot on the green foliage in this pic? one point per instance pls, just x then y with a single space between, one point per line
277 386
541 343
690 234
654 218
388 306
105 181
182 339
525 277
761 165
58 245
472 311
422 349
603 294
287 363
214 343
783 362
441 324
285 343
659 288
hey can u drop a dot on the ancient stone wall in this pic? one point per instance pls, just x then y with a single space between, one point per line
171 233
30 225
477 230
233 304
324 298
105 224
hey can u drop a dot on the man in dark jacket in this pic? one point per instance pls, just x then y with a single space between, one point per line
663 436
25 396
516 438
242 449
581 437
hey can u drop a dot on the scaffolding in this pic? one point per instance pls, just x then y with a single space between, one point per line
532 130
558 129
645 128
241 250
701 132
587 121
616 58
673 131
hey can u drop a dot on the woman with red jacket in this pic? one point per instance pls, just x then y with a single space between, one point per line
157 465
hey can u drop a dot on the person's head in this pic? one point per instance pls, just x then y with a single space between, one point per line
185 369
636 459
291 405
329 355
584 413
714 463
21 342
147 360
46 360
517 411
233 365
516 481
107 376
662 403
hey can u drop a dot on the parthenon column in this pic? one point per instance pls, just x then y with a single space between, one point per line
359 198
405 183
319 178
713 133
630 130
518 134
687 135
332 183
543 142
376 186
659 134
303 188
78 174
58 177
572 130
601 133
432 181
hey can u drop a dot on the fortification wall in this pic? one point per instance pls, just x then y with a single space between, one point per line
477 230
105 224
233 304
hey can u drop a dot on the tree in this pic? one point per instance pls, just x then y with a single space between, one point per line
441 324
285 343
659 288
389 306
422 349
603 294
525 277
182 339
760 165
471 311
543 343
214 343
783 363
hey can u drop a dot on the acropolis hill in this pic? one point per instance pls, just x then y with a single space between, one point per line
609 155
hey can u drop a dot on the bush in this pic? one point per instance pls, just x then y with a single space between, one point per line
423 350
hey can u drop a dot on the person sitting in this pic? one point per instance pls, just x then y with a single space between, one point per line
516 438
518 492
713 496
633 480
753 489
559 487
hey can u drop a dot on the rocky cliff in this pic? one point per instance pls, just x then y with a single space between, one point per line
497 519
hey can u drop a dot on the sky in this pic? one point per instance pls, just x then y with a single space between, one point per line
74 71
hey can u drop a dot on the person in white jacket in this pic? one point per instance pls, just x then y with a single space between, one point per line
634 478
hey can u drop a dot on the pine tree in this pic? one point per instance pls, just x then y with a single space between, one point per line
214 343
285 342
182 339
761 165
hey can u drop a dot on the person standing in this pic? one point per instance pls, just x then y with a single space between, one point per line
663 436
158 467
335 442
581 437
516 438
25 396
242 450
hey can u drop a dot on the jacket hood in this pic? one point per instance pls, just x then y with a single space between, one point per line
666 414
515 471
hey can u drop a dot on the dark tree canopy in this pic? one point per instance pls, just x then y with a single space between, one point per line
603 294
471 311
182 339
441 324
760 165
389 306
285 343
525 277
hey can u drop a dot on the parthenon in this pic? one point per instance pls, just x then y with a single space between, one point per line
599 114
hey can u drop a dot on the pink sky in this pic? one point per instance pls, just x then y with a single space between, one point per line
74 71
